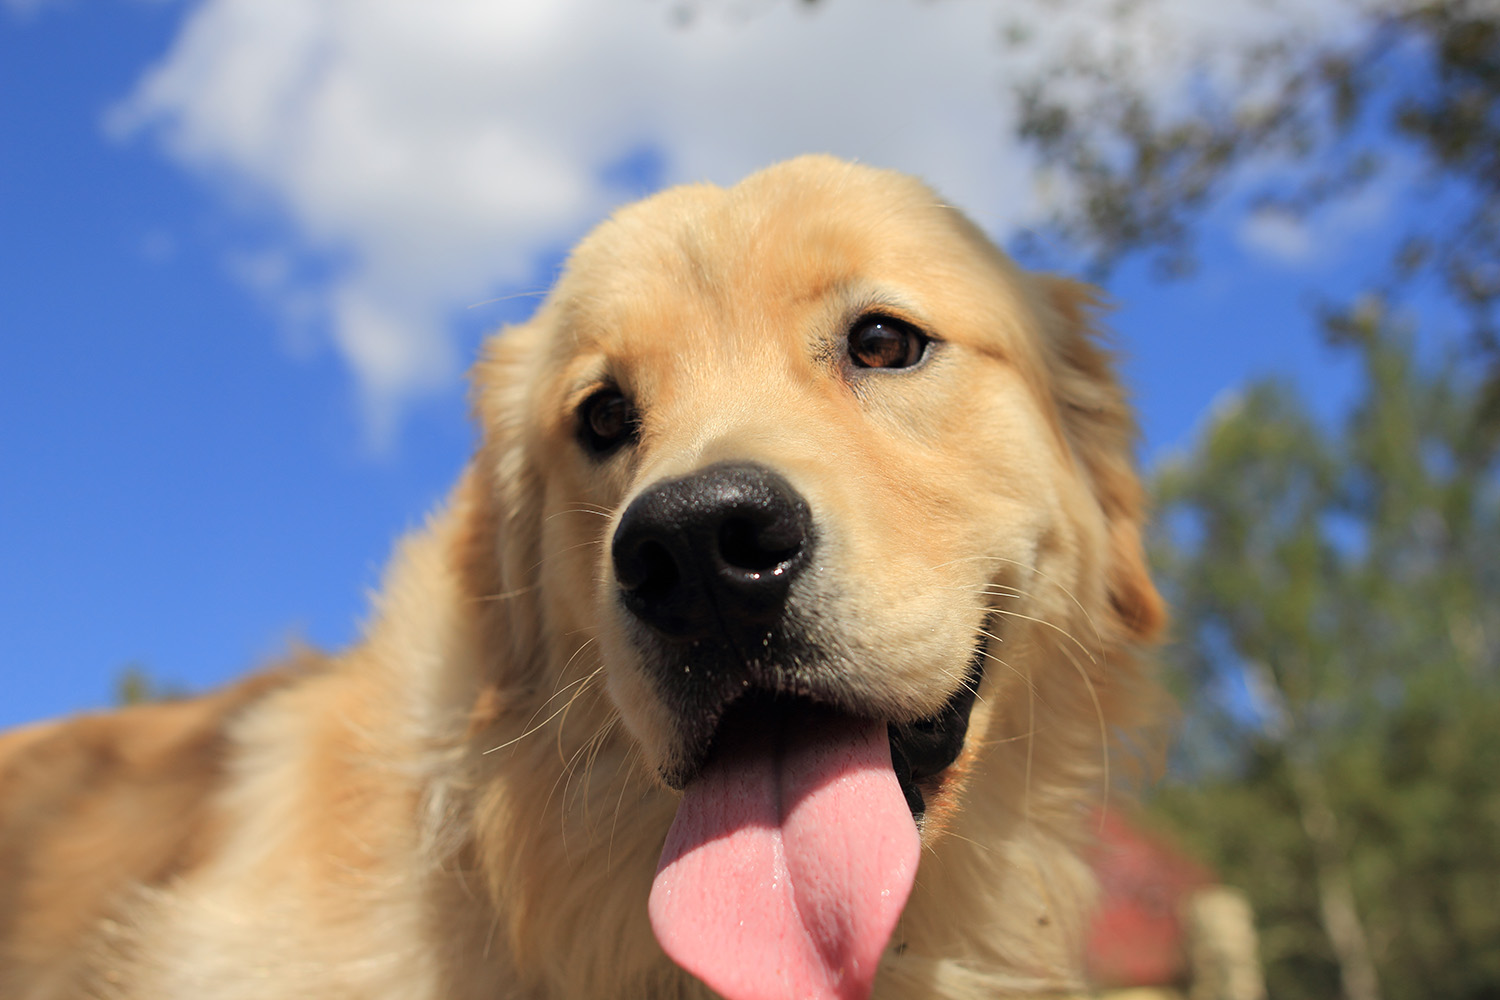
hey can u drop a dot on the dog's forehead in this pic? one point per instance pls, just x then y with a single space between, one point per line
761 267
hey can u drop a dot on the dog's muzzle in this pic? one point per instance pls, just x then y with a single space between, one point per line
707 564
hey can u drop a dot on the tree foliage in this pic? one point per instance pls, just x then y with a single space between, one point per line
1338 594
1337 589
1408 95
134 685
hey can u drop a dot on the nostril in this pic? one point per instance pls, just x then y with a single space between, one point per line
650 573
746 544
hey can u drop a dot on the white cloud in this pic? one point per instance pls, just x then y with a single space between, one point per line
428 151
1277 234
1324 235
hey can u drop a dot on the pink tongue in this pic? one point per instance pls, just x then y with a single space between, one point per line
789 862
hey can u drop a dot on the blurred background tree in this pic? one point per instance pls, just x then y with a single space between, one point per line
134 685
1337 596
1284 128
1337 588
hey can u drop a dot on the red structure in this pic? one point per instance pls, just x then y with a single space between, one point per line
1136 938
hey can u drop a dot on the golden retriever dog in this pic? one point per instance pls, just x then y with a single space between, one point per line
772 645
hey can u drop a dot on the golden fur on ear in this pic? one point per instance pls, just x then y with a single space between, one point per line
498 500
1102 432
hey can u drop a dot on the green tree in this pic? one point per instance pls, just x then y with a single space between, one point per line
134 685
1338 597
1288 125
1337 591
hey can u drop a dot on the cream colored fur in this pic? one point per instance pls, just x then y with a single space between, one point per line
465 804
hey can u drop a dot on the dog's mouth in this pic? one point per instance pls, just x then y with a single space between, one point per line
921 750
796 843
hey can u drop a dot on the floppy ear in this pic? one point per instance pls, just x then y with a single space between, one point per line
498 500
1102 431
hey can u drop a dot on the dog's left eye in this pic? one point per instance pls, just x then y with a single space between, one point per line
884 342
606 420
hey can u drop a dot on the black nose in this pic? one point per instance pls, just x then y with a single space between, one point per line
713 553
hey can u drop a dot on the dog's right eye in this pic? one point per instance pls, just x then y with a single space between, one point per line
606 420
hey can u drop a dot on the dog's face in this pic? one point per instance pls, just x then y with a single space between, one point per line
807 454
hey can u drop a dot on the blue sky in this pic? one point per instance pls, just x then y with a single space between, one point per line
227 384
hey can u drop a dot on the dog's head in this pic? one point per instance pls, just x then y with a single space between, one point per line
813 473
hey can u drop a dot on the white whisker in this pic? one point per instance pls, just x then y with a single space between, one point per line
507 595
581 510
1056 628
583 680
1098 714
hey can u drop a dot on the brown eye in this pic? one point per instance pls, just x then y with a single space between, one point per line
883 342
606 420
